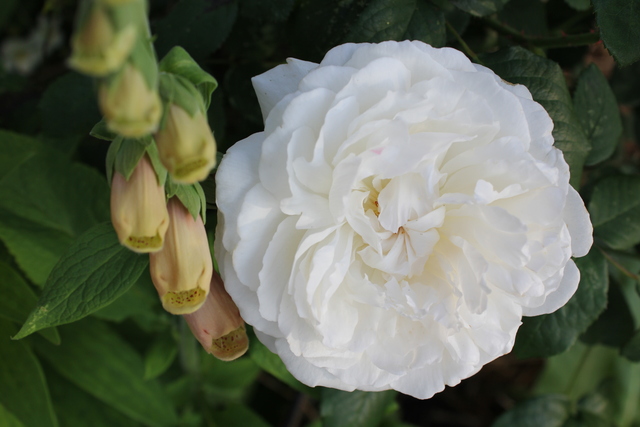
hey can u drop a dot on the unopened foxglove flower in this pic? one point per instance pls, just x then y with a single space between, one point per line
400 213
139 208
181 271
217 325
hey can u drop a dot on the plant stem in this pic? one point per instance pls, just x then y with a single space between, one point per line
562 40
464 45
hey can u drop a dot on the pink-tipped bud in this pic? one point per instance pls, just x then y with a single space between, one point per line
218 325
139 209
181 271
186 145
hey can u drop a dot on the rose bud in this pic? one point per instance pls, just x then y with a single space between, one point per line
218 325
139 209
186 145
98 48
130 107
181 271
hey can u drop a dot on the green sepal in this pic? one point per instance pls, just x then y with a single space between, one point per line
191 195
143 57
125 153
154 157
101 131
180 63
175 89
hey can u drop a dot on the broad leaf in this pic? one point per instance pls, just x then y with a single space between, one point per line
93 272
550 334
238 415
98 361
618 22
197 26
23 388
615 211
7 419
160 356
356 408
45 203
480 7
16 149
614 326
399 20
597 109
545 80
17 299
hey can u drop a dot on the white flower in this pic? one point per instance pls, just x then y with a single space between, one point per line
401 212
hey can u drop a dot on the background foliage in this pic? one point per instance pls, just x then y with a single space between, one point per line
106 354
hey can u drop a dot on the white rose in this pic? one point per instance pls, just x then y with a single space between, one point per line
401 212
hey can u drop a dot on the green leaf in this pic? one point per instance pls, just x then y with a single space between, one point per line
140 300
101 131
526 16
272 364
160 356
399 20
618 22
16 149
266 11
579 4
615 211
45 203
480 7
224 381
69 106
99 362
357 408
191 196
553 333
631 349
17 299
76 408
597 109
7 419
238 415
179 62
23 388
127 156
545 80
614 327
548 411
195 25
93 272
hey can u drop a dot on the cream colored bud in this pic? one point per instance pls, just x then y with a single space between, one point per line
218 325
139 209
130 107
186 145
181 271
97 48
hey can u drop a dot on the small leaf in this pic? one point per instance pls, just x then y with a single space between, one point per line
399 20
23 388
98 361
614 326
101 131
618 22
17 299
197 26
597 109
545 80
357 408
179 62
160 356
45 203
548 411
93 272
553 333
480 7
615 211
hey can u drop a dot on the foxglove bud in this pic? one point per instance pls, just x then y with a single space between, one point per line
139 209
98 48
181 271
186 145
130 107
218 325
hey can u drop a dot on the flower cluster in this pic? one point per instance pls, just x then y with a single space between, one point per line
400 213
